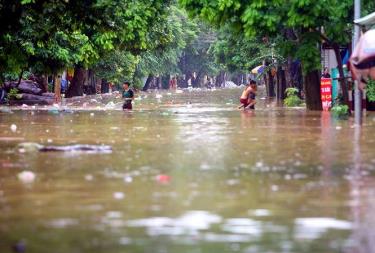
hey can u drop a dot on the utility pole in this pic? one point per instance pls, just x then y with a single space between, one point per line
357 92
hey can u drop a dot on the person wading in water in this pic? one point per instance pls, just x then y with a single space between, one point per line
128 94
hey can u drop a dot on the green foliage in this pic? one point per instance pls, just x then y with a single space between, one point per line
198 55
294 25
292 99
48 36
13 94
340 111
370 90
117 66
179 31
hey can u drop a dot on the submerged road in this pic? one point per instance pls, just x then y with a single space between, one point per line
187 172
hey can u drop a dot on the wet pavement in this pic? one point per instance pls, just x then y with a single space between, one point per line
187 172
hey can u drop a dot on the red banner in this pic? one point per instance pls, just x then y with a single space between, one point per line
326 93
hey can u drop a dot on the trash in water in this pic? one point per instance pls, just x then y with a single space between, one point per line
92 114
33 147
19 247
29 147
26 176
6 110
110 105
118 195
13 128
128 179
53 110
89 177
78 147
163 179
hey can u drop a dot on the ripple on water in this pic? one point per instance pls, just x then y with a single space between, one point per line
62 223
313 228
189 223
243 226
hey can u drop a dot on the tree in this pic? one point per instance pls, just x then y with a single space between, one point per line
178 32
304 18
198 57
51 35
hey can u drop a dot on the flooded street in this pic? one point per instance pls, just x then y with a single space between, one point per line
187 173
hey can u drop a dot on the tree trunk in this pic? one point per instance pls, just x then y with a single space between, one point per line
148 82
104 86
158 82
165 81
57 88
281 83
20 78
312 90
220 79
44 83
91 84
76 86
197 81
288 73
271 84
342 80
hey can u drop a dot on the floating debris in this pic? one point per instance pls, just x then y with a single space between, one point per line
78 147
118 195
13 128
128 179
26 176
163 179
29 147
33 147
89 177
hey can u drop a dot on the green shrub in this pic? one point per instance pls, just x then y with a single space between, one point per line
370 90
340 111
292 99
13 94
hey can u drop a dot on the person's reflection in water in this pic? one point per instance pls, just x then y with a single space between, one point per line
246 118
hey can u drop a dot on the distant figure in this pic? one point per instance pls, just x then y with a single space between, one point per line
247 98
128 94
173 83
326 73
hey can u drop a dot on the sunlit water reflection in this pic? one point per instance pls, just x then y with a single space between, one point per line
188 172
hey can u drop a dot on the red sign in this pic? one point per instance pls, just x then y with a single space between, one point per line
326 93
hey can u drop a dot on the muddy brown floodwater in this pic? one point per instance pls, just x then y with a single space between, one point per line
187 173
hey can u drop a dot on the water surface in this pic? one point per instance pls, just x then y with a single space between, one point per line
187 173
